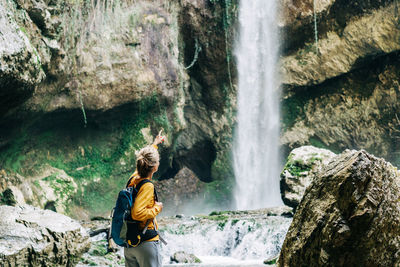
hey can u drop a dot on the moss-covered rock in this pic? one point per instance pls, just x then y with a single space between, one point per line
302 165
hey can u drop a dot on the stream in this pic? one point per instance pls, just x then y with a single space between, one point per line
232 238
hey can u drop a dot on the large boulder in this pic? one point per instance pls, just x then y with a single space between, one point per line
302 165
349 216
33 237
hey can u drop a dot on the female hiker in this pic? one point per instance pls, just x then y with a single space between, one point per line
146 208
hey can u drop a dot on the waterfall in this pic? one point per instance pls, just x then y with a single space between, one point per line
256 149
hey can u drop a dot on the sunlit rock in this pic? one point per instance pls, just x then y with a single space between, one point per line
351 112
33 237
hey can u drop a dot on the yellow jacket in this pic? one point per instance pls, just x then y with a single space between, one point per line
144 208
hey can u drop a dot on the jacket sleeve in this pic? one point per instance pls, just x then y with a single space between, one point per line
144 208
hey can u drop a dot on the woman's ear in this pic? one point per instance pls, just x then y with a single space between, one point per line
156 167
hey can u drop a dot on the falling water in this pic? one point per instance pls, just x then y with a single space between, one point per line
256 152
315 27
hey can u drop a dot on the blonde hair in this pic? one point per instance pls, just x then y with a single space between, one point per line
147 159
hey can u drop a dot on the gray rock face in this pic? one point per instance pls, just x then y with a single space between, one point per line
302 165
349 216
33 237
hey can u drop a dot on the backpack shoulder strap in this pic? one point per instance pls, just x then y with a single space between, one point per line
129 181
139 185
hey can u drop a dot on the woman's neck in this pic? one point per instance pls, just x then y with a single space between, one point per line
148 177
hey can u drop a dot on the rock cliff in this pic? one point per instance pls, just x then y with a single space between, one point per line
85 84
341 91
349 216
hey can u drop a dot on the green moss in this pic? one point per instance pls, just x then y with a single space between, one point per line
270 262
219 217
222 168
162 121
36 183
7 198
292 111
62 187
98 249
22 29
296 167
93 157
221 225
13 156
219 191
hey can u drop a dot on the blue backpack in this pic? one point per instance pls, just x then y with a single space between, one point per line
124 230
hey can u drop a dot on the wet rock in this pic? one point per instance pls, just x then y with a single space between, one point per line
51 189
184 257
210 104
33 237
349 216
302 165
